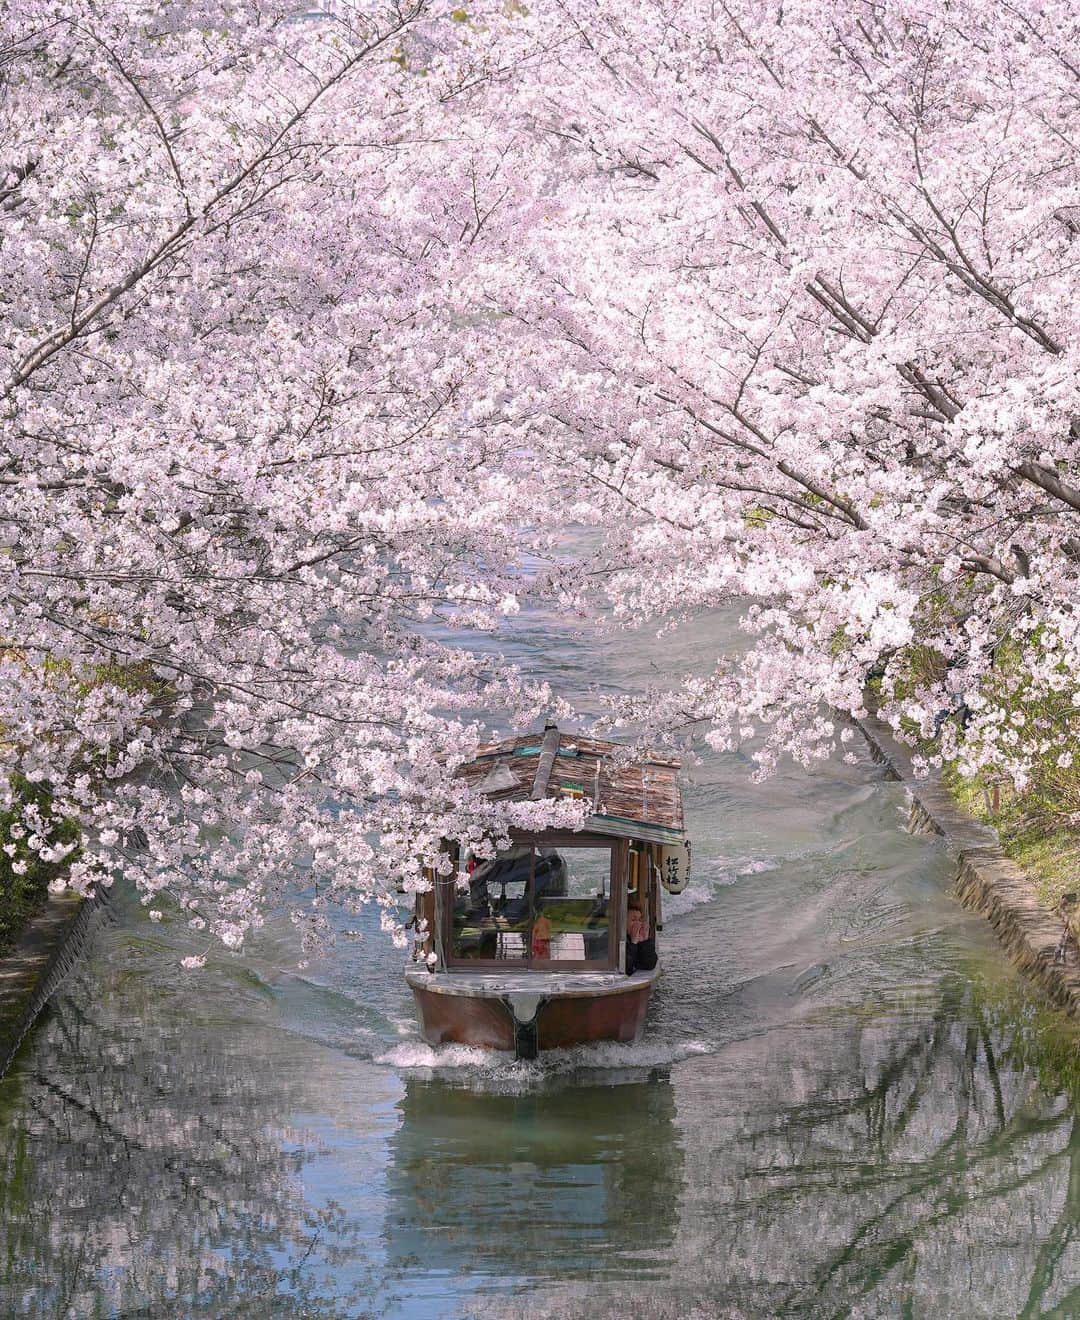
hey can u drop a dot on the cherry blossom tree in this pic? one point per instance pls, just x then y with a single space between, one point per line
805 328
308 316
249 446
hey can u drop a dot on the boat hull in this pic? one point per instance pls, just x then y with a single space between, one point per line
527 1012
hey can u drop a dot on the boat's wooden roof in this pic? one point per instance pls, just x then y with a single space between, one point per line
637 798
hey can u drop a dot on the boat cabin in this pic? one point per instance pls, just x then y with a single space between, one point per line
552 941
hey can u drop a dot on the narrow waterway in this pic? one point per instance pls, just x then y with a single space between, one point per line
844 1104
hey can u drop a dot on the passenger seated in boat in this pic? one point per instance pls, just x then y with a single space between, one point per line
549 880
541 937
499 905
640 945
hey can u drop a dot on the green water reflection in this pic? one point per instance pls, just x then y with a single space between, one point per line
918 1157
577 1182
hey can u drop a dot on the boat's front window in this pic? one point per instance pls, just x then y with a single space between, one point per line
535 906
492 910
570 924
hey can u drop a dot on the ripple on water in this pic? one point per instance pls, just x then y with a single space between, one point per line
844 1103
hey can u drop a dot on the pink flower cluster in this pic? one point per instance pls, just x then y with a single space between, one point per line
317 327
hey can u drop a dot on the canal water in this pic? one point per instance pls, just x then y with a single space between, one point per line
844 1103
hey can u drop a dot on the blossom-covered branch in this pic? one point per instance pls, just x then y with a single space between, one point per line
248 449
809 331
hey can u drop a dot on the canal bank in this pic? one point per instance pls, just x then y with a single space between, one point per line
987 880
34 966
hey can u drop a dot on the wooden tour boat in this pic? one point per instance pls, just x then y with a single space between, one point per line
552 942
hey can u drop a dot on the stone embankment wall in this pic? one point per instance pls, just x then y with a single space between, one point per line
32 970
987 881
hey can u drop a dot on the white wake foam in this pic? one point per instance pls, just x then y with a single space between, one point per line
496 1069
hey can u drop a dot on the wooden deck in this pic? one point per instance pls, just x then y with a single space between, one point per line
564 985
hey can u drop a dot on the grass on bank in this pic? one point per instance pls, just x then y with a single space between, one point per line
1039 828
1033 827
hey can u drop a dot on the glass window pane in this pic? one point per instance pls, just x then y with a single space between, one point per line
530 905
571 905
491 910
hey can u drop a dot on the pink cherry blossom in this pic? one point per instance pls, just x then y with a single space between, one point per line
321 331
